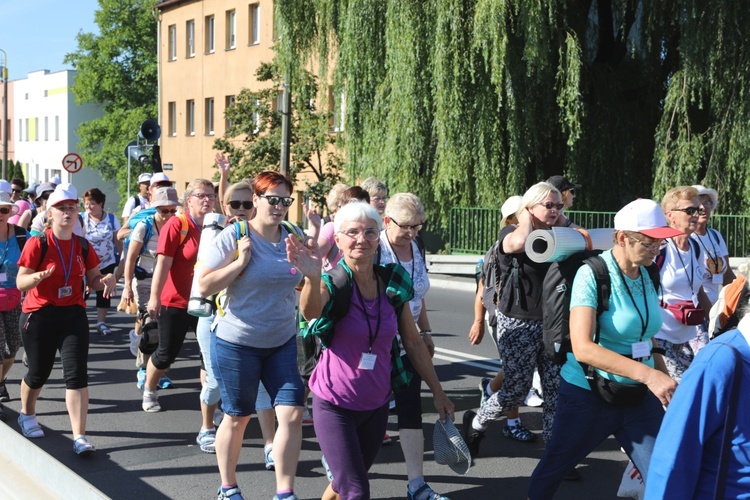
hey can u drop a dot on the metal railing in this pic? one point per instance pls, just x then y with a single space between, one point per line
474 230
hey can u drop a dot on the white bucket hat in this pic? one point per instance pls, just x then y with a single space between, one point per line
450 448
5 202
712 193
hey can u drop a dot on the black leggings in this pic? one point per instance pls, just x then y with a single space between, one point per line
101 301
54 328
174 324
409 400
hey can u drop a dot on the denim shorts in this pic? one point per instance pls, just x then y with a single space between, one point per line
238 369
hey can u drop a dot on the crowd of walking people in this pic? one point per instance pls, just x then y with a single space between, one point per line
642 365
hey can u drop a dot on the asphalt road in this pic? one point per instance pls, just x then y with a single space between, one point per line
155 456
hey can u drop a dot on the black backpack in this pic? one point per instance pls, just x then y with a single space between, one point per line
45 245
556 290
490 281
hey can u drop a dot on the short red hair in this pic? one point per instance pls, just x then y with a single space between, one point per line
269 179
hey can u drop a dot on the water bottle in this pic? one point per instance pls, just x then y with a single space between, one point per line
213 224
478 271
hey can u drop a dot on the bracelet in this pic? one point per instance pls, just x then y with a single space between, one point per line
425 332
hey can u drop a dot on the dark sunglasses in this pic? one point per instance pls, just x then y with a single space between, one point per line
247 205
5 210
692 210
165 211
17 190
274 200
45 196
549 205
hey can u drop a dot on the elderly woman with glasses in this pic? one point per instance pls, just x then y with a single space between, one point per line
404 217
684 302
519 318
351 383
177 252
255 339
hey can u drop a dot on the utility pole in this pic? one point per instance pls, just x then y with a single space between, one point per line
286 127
4 71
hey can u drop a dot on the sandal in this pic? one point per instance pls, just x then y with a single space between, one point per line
103 329
150 402
519 433
230 494
82 447
30 428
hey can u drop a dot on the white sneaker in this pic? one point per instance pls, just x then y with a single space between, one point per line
218 417
307 418
135 339
533 399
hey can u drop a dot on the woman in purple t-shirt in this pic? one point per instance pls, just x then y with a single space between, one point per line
351 384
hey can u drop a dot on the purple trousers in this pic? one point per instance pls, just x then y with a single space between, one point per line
350 441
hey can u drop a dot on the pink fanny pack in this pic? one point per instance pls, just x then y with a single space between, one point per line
686 312
9 299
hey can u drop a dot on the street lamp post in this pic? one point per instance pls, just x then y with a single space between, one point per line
4 71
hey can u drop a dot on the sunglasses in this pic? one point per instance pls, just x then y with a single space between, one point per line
235 204
692 210
17 190
274 200
165 211
549 205
45 196
5 210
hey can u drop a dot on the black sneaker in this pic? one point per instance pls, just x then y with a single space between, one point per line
3 416
4 396
471 436
573 475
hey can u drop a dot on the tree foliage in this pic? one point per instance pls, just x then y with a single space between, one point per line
253 138
466 102
118 69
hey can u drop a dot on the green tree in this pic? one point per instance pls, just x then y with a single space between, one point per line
118 70
253 139
466 102
17 170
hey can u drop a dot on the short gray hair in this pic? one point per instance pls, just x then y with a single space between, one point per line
358 211
374 186
404 206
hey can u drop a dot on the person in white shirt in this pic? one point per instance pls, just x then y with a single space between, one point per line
138 200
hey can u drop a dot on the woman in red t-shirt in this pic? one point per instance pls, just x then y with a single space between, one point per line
52 268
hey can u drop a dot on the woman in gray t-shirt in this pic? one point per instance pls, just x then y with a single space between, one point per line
254 340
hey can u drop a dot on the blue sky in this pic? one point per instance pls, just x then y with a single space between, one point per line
36 34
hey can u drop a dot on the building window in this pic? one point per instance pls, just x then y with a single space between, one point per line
173 42
209 114
172 112
274 31
210 35
254 19
20 130
57 128
46 128
231 29
36 129
190 38
228 102
190 115
26 126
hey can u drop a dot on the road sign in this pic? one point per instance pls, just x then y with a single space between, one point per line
72 162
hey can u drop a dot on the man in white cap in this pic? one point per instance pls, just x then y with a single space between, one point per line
55 180
138 200
155 181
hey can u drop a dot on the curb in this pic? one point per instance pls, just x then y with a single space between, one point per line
30 472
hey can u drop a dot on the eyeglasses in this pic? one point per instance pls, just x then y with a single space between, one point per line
235 204
370 234
655 245
377 199
691 210
45 196
406 227
707 203
549 205
165 211
274 200
204 196
5 210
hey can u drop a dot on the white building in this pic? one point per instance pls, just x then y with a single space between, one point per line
46 119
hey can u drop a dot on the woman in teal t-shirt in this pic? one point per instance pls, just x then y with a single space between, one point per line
624 356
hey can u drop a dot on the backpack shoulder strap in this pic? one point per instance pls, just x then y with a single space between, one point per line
695 246
714 234
653 273
293 228
84 248
603 287
20 236
342 292
184 227
659 260
420 246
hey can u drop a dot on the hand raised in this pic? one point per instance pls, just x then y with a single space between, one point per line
304 255
222 162
312 214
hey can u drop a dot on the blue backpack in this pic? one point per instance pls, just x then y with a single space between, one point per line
145 216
